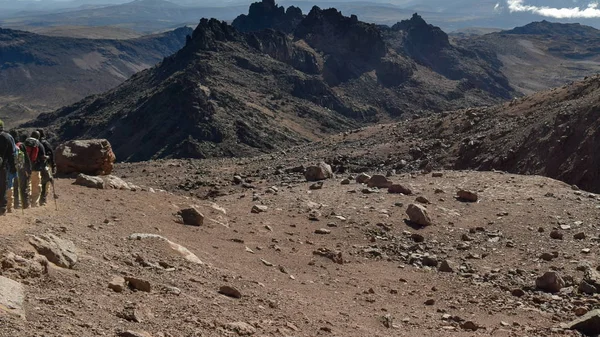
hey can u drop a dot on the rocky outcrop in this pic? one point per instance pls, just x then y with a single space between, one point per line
92 157
59 251
428 45
267 15
351 47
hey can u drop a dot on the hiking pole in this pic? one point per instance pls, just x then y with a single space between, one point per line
54 193
20 194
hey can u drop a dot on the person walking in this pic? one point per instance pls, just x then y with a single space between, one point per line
21 190
12 186
49 168
35 151
7 165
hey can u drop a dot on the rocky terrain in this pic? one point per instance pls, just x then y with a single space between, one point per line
333 74
41 73
273 254
542 55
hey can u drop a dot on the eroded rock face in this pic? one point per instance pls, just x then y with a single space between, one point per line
91 157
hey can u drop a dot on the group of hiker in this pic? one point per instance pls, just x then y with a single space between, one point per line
27 168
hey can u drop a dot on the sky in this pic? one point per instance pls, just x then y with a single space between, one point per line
558 9
570 10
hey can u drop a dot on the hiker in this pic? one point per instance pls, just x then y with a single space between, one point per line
49 168
37 156
12 187
7 165
21 191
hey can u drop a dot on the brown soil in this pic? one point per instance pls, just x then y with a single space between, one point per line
295 292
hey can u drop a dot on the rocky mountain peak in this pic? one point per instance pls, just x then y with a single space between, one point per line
331 32
421 34
267 14
209 32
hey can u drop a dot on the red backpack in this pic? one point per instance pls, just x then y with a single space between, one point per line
31 145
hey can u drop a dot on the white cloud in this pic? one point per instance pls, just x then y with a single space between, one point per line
591 11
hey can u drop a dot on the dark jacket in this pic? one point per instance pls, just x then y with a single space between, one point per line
49 152
7 152
40 161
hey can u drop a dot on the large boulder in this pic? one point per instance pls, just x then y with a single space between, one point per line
92 157
318 172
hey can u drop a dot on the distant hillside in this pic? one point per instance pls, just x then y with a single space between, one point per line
542 54
228 93
41 73
86 32
144 16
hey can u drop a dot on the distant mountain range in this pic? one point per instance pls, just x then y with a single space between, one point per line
156 15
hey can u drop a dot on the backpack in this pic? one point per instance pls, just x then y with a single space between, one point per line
31 144
19 158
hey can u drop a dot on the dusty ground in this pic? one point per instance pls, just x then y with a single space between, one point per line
380 289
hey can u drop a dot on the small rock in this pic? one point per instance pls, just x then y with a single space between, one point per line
547 257
579 236
59 251
139 284
447 266
422 200
130 333
259 209
89 181
469 326
580 311
230 292
322 231
379 181
191 216
430 301
363 178
241 328
117 284
345 182
418 215
418 238
466 237
399 189
556 235
518 292
437 174
318 172
467 196
550 282
316 186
